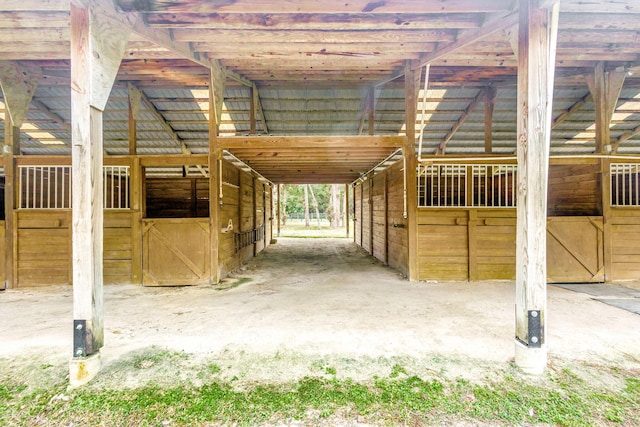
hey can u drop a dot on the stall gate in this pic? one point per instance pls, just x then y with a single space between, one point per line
176 251
575 249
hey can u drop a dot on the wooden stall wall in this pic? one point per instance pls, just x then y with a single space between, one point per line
625 243
379 217
366 215
229 219
246 207
177 197
443 244
574 190
247 214
397 234
492 244
357 209
43 247
380 223
118 246
259 211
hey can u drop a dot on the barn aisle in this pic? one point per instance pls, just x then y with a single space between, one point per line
305 303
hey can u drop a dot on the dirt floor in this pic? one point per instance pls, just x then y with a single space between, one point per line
307 305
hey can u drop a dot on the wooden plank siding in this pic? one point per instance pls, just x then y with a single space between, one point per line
443 244
387 226
625 240
229 214
379 220
574 190
366 216
43 247
118 247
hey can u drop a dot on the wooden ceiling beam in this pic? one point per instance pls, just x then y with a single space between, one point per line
330 142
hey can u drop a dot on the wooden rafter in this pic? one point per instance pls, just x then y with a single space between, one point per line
465 115
167 127
575 107
624 137
467 37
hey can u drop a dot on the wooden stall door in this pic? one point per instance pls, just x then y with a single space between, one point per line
176 251
575 249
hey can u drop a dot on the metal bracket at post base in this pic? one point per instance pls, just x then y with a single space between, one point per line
83 343
534 330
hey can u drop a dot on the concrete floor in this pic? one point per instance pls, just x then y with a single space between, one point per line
322 299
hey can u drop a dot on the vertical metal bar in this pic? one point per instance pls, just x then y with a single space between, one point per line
20 168
42 187
635 183
438 185
70 187
28 186
62 188
459 177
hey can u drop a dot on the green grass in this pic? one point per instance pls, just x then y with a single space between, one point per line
296 228
398 399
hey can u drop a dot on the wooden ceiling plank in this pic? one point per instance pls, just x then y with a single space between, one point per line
48 5
34 35
229 50
306 36
34 19
326 6
311 21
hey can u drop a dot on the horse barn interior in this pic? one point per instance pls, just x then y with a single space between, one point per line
145 141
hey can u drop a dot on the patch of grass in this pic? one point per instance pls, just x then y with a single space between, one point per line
155 356
396 370
398 399
230 283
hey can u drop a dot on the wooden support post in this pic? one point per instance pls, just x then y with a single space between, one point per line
18 83
137 207
279 210
536 64
11 144
97 47
134 111
489 103
411 85
346 208
605 87
607 234
217 81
